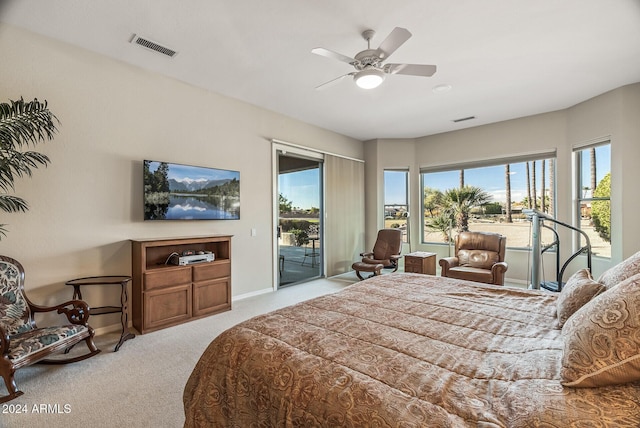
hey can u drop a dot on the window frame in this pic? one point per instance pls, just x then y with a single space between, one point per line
578 189
502 162
407 235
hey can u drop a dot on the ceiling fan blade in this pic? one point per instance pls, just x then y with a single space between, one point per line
393 41
332 54
334 81
411 69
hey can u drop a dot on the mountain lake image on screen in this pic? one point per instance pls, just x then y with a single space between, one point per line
183 192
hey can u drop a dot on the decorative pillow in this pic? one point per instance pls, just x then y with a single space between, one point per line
579 289
623 270
602 339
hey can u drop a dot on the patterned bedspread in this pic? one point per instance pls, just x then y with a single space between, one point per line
401 350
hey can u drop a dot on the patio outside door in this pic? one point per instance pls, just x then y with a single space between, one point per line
299 229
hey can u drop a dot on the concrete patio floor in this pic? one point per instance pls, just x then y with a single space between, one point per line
299 264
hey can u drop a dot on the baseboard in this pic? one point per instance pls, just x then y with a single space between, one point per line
252 294
113 328
519 283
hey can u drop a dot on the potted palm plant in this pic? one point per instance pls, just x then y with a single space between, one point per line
23 125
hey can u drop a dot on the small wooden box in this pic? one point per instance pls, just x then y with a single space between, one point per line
420 262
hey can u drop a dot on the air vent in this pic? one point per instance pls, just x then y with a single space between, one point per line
146 43
462 119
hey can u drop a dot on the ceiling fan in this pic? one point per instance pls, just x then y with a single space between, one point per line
370 70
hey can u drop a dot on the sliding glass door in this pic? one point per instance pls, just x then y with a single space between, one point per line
299 228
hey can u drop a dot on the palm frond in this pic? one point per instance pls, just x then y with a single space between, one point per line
26 123
22 125
15 164
12 204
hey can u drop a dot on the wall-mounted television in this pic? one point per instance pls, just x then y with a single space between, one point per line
183 192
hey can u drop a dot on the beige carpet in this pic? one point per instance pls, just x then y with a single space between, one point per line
140 385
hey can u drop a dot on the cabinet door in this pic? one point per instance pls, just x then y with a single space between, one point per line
167 306
211 296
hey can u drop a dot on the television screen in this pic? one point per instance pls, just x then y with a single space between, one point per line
182 192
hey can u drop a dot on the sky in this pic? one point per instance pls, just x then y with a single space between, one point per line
491 179
301 188
180 172
395 187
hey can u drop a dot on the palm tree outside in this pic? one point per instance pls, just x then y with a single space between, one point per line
533 185
528 186
552 187
459 202
543 193
507 205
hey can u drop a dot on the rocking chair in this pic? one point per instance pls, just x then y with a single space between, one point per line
21 342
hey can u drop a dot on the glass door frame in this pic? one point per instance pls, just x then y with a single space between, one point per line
279 148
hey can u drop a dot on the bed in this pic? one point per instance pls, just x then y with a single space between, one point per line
412 350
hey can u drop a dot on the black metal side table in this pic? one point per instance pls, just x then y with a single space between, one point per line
107 280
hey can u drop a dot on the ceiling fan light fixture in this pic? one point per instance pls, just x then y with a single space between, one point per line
369 78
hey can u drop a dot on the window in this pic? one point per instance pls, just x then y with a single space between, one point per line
489 198
593 170
396 207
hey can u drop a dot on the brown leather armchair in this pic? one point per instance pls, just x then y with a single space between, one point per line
479 257
385 254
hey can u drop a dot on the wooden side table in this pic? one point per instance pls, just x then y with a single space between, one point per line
420 262
107 280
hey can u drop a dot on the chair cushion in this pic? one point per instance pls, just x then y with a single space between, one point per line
623 270
385 263
486 240
388 243
479 249
27 343
13 305
602 339
471 274
578 291
481 259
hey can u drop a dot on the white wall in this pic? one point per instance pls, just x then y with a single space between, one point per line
87 204
381 155
613 115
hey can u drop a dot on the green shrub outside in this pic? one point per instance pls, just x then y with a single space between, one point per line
302 237
601 210
288 225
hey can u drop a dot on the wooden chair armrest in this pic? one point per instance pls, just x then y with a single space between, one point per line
396 257
4 342
366 254
76 311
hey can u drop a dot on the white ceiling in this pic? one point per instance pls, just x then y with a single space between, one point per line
503 58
